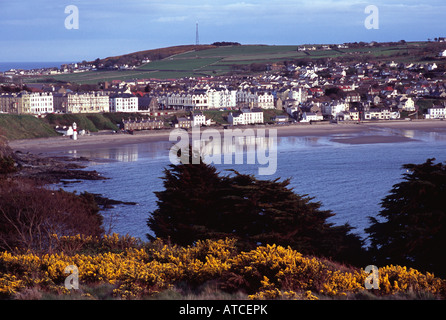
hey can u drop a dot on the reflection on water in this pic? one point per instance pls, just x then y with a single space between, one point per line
125 153
438 135
210 147
350 180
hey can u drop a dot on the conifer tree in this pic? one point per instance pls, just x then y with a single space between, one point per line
411 228
197 203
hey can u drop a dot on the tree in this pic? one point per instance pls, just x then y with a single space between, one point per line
412 230
198 204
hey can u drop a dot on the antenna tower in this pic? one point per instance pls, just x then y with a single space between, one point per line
197 39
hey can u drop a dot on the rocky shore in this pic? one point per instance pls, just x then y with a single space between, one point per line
50 170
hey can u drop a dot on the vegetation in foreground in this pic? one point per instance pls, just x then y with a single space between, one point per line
285 249
114 267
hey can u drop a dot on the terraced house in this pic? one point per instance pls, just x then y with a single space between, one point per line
123 102
255 99
246 116
87 102
27 103
196 99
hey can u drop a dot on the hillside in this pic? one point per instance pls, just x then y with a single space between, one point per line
14 127
153 54
116 267
209 60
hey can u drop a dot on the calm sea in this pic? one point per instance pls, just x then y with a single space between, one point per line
350 180
5 66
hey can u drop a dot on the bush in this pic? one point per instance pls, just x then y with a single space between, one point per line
31 214
266 272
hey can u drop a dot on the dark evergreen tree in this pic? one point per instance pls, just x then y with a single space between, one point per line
198 203
412 228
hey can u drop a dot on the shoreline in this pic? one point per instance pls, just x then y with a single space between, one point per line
361 133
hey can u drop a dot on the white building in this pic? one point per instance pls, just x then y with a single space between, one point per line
407 104
312 116
249 99
221 98
199 119
41 102
265 100
293 111
334 108
377 114
436 112
125 102
299 95
197 99
246 116
88 102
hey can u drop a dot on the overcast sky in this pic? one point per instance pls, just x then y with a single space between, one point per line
34 30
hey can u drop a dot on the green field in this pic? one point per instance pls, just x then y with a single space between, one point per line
223 60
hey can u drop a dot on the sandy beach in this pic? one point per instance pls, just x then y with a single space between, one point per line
353 133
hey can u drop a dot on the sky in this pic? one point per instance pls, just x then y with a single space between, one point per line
36 30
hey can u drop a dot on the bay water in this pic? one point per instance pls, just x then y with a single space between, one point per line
348 179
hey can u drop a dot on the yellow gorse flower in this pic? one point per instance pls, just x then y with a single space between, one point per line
135 271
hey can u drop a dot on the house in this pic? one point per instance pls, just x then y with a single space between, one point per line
86 102
246 116
141 124
183 122
280 119
27 102
148 103
124 102
293 111
377 114
199 119
344 116
254 99
311 116
221 98
436 112
407 104
299 95
331 109
265 100
354 115
353 97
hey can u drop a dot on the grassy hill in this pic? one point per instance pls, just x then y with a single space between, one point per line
153 54
14 127
193 61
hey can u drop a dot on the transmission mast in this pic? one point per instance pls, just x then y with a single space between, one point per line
197 39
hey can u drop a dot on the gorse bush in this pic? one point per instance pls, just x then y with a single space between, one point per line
132 270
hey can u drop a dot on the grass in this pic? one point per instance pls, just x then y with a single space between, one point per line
90 122
180 64
219 61
15 127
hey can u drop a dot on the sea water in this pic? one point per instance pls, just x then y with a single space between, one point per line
350 180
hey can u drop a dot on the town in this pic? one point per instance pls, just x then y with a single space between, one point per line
289 93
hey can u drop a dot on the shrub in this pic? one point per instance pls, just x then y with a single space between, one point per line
267 272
